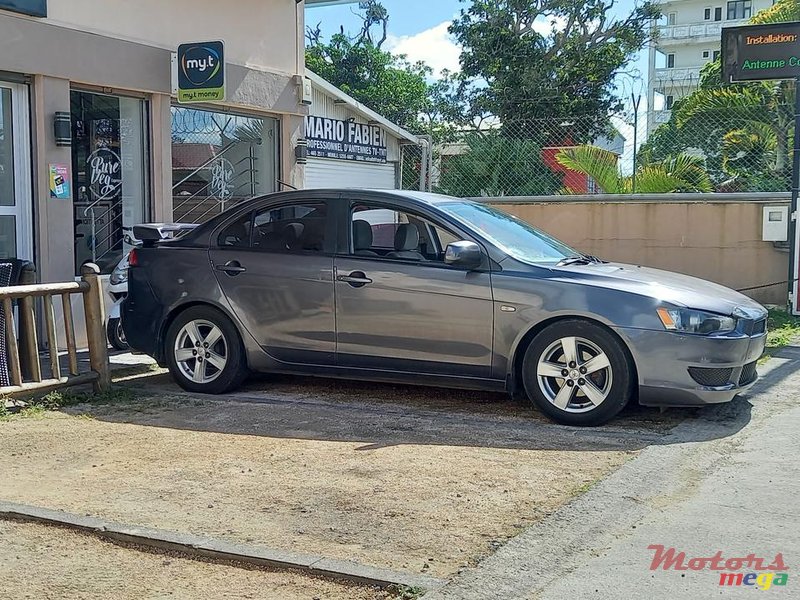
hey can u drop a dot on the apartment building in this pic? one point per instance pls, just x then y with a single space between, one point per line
689 36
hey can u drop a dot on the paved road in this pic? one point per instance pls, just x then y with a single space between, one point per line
727 482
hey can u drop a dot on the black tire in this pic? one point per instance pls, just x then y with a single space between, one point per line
223 380
115 335
615 382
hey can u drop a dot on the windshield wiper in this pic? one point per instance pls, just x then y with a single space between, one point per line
583 259
575 260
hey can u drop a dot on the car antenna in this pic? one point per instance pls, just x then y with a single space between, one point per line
289 185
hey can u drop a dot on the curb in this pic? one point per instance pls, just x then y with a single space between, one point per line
205 547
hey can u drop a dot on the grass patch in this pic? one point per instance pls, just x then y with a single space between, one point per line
404 592
782 329
37 406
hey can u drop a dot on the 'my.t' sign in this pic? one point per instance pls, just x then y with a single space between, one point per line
761 52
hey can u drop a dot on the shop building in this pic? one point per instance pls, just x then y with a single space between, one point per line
350 145
92 139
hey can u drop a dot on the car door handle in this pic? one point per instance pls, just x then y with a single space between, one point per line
356 279
232 267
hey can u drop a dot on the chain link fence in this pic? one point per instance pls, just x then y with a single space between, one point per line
727 140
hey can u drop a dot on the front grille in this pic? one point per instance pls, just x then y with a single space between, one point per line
749 374
710 377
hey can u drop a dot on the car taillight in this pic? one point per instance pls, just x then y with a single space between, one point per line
133 258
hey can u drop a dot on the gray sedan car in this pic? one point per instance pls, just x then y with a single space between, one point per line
426 289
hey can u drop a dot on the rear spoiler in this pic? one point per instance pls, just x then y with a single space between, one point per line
150 233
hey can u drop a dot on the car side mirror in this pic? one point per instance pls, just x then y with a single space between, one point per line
465 255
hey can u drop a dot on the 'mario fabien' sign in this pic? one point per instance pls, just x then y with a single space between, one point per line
345 140
761 52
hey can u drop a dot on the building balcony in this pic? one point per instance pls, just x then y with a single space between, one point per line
672 35
681 77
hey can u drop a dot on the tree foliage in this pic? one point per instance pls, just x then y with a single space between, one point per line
549 59
494 164
388 84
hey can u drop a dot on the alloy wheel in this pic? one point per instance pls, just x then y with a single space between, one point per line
201 351
574 374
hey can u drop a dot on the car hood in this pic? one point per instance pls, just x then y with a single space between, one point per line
666 286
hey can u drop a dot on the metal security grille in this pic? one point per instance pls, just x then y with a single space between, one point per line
218 160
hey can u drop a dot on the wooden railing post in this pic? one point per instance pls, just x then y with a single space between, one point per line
95 326
27 324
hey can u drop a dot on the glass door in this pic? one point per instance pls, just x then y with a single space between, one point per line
16 240
110 160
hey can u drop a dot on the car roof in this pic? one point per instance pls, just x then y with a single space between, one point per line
426 197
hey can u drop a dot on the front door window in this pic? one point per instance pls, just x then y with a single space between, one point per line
109 163
15 192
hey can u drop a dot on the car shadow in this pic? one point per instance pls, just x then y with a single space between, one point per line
379 415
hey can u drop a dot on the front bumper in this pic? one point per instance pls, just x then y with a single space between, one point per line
664 359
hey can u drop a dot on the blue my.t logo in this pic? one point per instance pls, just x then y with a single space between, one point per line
201 71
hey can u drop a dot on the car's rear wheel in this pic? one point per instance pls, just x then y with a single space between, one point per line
577 373
204 351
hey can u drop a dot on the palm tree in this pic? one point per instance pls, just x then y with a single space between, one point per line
758 117
682 173
760 114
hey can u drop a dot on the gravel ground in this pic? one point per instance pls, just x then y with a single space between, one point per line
411 486
43 563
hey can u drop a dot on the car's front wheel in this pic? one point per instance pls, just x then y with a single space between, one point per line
577 373
204 352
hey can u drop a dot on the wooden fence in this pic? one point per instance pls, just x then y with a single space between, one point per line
22 345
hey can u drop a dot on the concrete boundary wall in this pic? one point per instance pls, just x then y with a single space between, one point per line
712 236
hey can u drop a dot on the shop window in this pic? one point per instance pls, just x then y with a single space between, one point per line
218 160
110 160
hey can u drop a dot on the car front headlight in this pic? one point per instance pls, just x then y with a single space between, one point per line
687 320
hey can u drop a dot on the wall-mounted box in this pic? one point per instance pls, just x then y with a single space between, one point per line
775 224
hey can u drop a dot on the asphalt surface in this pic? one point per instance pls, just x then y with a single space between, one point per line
725 481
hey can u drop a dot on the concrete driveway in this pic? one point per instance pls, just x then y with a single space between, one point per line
725 482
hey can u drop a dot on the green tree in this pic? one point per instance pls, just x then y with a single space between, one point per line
388 84
683 173
492 164
548 61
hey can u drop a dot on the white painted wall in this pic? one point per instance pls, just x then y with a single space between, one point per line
257 33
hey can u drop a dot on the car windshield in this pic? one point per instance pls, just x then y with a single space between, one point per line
512 235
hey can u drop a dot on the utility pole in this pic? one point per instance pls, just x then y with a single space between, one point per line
636 100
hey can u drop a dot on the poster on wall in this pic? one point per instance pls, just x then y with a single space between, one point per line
345 140
59 182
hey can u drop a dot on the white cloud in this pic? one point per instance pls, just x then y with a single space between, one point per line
437 49
433 46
